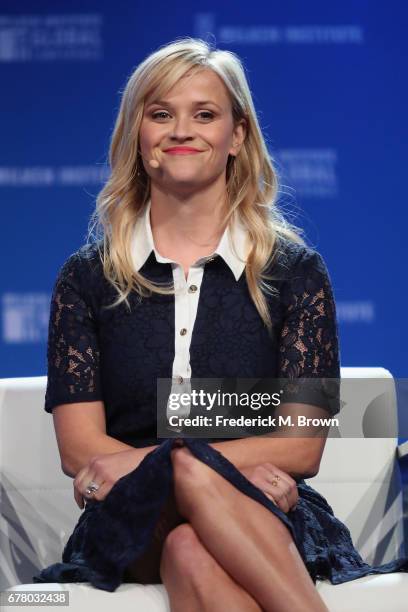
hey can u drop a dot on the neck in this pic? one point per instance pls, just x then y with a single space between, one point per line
185 223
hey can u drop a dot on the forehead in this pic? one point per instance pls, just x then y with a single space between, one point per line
202 85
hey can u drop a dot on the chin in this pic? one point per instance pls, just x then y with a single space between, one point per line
188 179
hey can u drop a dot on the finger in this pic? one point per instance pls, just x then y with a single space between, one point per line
270 497
77 484
83 480
279 494
283 475
78 499
291 493
282 501
93 494
286 482
102 492
279 500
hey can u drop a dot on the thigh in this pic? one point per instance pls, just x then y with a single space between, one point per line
146 569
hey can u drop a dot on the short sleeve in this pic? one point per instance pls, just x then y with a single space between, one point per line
308 345
72 351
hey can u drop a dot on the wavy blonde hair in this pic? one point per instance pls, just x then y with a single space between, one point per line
251 180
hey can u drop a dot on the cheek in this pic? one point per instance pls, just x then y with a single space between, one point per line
221 141
222 148
144 137
148 135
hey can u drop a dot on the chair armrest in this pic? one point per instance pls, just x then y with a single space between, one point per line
402 450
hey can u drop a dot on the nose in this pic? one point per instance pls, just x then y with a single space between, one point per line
181 129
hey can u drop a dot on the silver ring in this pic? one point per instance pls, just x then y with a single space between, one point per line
91 488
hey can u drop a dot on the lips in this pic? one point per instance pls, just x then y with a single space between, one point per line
181 150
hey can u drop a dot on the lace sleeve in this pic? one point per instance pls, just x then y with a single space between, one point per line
309 338
72 353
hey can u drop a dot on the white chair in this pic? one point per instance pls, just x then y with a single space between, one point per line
360 478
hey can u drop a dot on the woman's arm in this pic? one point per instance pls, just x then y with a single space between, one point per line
308 349
74 390
292 450
81 435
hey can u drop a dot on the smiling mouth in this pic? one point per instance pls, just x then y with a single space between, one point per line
182 151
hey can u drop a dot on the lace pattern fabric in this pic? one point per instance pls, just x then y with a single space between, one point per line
308 343
116 356
81 332
112 535
73 351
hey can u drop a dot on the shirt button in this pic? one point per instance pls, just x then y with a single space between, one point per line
192 288
183 331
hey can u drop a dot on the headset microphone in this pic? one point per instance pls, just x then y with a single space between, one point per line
154 163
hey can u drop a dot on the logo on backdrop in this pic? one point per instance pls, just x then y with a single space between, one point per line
268 34
312 172
28 38
24 317
44 176
355 312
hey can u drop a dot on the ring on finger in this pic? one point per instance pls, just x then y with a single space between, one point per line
92 488
274 482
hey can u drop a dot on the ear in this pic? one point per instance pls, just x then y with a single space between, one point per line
238 137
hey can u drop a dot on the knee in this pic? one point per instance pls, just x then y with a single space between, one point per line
184 553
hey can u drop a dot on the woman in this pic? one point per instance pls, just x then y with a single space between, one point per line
196 274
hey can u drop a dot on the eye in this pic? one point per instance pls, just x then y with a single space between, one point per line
211 115
159 114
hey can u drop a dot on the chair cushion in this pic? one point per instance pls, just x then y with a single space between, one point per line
370 593
83 597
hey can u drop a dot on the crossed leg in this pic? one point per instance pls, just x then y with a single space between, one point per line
231 558
177 557
195 581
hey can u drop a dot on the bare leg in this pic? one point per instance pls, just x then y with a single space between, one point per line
177 558
195 581
252 545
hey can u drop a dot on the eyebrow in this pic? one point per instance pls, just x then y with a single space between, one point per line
197 103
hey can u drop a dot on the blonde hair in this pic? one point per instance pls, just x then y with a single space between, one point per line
251 180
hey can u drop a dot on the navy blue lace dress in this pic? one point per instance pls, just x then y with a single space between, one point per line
116 355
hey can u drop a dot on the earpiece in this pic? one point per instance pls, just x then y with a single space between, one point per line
153 163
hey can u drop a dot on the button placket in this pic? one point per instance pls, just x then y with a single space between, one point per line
194 287
182 321
186 307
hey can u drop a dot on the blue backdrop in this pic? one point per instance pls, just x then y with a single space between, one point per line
329 83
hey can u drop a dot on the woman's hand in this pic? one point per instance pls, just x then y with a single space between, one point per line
283 493
104 470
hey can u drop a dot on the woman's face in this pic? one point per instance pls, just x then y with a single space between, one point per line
195 113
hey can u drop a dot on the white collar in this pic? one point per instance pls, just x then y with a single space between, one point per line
143 245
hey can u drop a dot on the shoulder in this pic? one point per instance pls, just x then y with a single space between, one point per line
82 266
294 259
87 256
301 274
